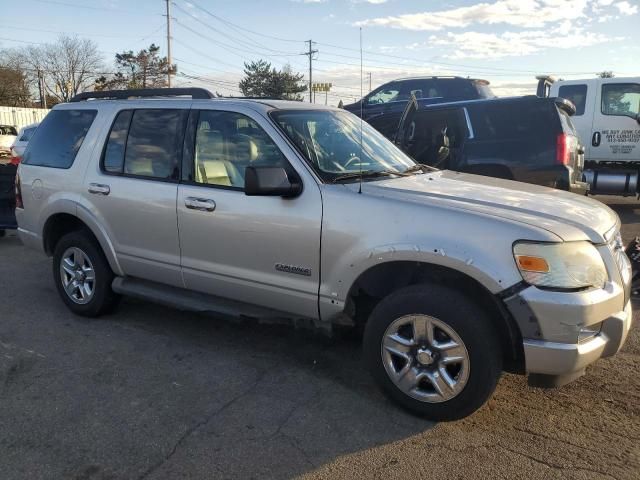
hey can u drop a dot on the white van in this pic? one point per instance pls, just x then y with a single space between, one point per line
608 123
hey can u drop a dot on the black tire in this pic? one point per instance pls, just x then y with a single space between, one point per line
469 322
103 299
2 233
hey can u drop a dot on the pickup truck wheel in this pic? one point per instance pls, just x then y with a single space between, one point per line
433 351
82 275
2 233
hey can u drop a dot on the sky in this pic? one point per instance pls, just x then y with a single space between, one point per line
507 42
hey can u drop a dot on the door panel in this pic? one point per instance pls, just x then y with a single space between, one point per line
246 248
615 136
132 192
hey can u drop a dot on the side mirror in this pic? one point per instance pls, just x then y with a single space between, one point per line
269 181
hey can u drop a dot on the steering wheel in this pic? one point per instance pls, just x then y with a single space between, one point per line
351 161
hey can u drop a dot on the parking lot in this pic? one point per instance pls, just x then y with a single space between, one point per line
150 392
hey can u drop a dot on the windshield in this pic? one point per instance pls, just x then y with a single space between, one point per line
330 141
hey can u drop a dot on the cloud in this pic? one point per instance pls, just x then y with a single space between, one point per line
525 14
373 2
508 44
626 8
308 1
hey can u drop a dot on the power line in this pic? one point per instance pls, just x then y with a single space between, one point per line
243 28
91 7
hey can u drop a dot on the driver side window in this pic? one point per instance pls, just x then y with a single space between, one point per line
227 143
386 94
621 99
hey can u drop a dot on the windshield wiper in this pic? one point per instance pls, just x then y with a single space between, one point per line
421 166
365 174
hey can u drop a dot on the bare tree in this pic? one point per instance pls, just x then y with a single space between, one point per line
67 67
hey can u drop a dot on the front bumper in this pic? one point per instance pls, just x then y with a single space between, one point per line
564 332
555 358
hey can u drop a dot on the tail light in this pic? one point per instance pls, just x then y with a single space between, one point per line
15 159
564 146
19 203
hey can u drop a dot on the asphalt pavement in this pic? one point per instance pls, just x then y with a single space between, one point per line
149 392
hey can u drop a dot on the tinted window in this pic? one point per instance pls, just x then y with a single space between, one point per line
621 99
58 138
431 131
154 144
510 120
576 94
113 159
227 143
27 133
8 130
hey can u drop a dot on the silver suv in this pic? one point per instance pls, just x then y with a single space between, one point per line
280 209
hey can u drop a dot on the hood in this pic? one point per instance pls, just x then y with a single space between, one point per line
6 140
567 215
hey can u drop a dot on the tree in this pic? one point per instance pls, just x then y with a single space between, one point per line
68 66
261 80
14 88
606 74
145 69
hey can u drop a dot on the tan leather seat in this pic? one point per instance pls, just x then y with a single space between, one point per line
210 164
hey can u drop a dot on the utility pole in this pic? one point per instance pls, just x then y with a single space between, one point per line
369 80
310 54
170 63
41 89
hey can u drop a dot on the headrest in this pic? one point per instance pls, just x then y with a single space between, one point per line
246 148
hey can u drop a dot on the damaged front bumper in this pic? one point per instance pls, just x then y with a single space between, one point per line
564 332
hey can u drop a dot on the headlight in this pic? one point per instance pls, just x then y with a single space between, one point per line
560 265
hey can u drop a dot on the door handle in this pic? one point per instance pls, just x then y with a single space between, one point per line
595 140
202 204
99 189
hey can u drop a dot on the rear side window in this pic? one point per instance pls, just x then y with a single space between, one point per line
511 120
27 133
146 143
576 94
57 140
113 160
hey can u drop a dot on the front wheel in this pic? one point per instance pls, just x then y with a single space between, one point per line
433 351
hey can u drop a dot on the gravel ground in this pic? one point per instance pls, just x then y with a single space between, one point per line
153 393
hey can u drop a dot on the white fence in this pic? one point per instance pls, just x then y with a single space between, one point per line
19 117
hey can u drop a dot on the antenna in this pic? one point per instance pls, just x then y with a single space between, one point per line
361 114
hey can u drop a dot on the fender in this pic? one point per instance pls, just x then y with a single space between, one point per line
102 236
483 268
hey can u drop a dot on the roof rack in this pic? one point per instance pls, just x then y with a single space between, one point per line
194 93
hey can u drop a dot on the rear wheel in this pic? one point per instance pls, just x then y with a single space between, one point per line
82 275
2 233
433 351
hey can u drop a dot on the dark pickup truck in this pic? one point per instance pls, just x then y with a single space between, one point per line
528 139
383 107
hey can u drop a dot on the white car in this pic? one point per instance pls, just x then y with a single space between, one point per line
8 134
21 141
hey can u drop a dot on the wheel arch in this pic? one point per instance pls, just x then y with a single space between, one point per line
61 223
382 279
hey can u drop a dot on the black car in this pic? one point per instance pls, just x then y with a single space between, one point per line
528 139
383 107
7 197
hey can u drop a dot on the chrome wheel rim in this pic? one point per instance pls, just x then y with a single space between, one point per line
425 358
77 275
